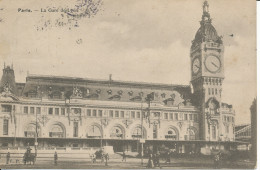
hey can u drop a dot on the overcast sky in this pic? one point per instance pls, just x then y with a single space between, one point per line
135 40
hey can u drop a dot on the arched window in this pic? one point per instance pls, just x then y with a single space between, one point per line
137 133
30 131
192 134
171 134
117 133
56 132
94 132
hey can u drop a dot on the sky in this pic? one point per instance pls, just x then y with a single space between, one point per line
134 40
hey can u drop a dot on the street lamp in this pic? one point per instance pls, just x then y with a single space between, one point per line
142 145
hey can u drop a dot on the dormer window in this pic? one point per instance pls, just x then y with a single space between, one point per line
87 91
109 92
130 93
173 95
120 92
98 91
163 95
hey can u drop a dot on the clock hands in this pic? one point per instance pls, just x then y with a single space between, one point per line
197 66
214 64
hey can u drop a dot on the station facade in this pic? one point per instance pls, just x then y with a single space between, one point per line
77 113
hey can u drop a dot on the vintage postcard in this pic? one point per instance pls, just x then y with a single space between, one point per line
128 84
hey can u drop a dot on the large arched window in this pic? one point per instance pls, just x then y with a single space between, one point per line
171 134
137 133
94 132
117 133
30 131
57 132
192 134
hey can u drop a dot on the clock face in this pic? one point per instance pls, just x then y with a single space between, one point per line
196 65
212 63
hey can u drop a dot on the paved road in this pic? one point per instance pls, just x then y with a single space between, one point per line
132 163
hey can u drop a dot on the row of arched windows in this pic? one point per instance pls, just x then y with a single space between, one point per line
117 132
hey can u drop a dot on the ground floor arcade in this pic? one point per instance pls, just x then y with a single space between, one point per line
119 145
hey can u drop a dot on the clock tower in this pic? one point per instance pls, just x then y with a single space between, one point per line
207 75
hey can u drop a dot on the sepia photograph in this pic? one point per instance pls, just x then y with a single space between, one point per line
128 84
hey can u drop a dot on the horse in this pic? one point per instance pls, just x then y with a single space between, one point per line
29 157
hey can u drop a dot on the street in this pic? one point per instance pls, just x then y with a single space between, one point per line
131 163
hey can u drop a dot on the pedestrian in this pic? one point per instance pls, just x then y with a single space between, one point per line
102 157
28 149
157 160
124 156
154 160
7 158
55 158
107 158
94 158
216 160
150 163
168 157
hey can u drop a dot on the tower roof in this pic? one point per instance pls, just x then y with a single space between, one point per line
206 32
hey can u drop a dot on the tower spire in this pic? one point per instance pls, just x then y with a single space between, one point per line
206 15
205 7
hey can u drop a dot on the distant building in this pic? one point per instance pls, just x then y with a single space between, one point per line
253 110
77 113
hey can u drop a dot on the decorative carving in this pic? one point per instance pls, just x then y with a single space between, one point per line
127 123
180 124
43 119
77 92
156 122
7 88
104 122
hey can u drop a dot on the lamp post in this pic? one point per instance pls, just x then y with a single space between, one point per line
101 142
142 145
36 134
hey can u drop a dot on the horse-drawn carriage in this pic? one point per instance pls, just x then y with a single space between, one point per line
29 157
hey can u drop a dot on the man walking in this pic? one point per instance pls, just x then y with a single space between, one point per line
107 158
168 157
7 158
55 158
157 160
124 156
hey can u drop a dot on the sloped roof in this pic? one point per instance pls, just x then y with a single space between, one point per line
103 89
